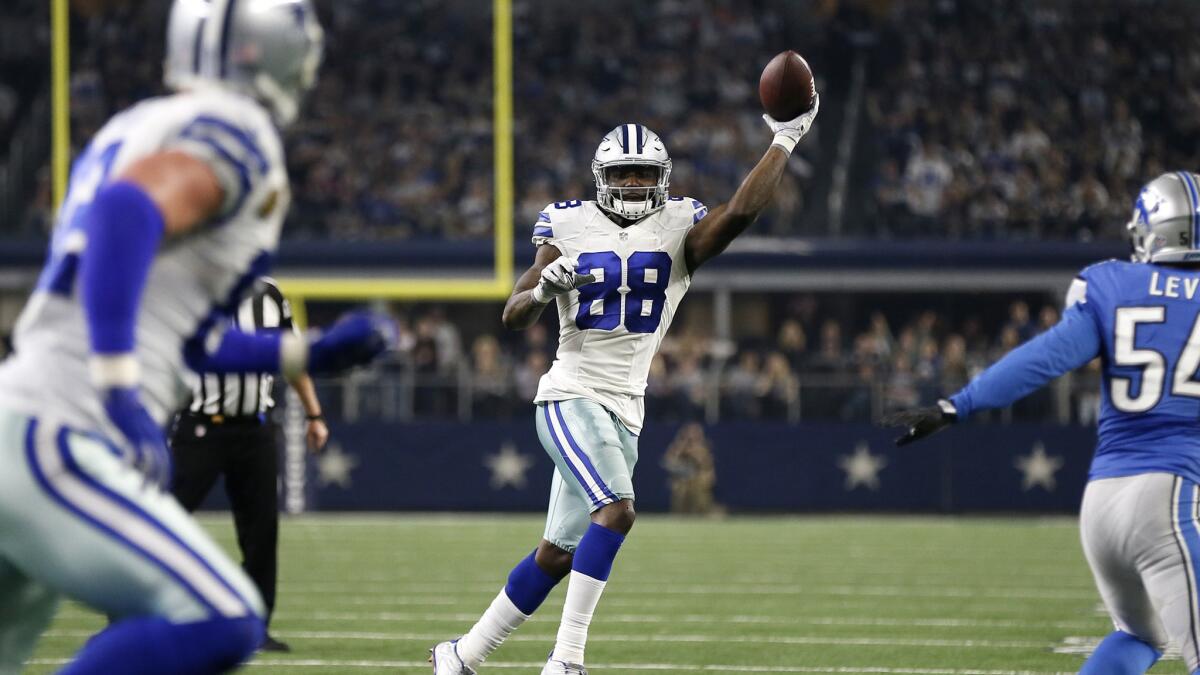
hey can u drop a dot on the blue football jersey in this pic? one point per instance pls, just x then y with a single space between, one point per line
1142 321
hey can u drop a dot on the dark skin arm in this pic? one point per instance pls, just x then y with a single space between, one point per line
723 224
521 312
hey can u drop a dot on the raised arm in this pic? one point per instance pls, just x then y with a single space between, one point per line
723 224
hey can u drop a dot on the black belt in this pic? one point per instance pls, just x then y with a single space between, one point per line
225 420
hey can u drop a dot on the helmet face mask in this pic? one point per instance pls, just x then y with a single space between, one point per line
632 172
267 49
1165 224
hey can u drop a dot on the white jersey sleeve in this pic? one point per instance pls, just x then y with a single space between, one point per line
195 281
561 225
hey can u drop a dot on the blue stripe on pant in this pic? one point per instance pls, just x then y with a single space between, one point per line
126 508
567 459
609 497
1185 517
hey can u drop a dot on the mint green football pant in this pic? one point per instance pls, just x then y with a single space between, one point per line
594 454
77 520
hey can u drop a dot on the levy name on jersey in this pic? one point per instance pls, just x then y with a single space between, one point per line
611 329
195 281
1149 327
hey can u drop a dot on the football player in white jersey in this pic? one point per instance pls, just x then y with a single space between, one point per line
173 209
617 268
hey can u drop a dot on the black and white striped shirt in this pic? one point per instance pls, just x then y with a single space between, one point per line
245 394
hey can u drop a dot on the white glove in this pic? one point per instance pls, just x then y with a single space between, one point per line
559 277
788 134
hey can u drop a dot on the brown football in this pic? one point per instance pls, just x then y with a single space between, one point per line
786 86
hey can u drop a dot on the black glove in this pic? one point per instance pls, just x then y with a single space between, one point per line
922 422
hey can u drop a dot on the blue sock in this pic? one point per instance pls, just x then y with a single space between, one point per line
1120 654
597 551
152 645
528 585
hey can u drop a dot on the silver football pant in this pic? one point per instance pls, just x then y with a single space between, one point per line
1141 540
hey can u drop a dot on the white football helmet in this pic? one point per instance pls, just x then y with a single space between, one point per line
1165 226
267 49
631 145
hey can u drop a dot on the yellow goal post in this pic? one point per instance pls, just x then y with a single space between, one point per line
301 289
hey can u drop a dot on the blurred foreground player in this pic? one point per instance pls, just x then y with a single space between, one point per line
174 208
228 431
1139 514
618 268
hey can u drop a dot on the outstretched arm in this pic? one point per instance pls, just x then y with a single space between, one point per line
1071 343
723 224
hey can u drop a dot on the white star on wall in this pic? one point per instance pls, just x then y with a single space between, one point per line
862 468
1038 468
334 467
508 467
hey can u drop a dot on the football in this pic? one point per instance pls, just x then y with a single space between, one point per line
786 87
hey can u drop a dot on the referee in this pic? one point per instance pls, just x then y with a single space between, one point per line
227 430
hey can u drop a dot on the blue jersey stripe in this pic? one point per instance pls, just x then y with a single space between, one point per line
542 231
239 134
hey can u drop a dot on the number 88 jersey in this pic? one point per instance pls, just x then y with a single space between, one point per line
610 330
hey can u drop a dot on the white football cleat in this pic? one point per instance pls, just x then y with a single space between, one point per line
446 661
554 667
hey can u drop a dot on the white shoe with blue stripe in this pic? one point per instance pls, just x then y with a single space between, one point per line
446 661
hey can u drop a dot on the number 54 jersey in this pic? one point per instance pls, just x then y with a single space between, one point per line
610 330
1148 319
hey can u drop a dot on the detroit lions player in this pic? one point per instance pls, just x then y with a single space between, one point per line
173 209
617 268
1139 514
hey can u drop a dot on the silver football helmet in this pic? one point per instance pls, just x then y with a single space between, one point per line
1165 226
631 145
267 49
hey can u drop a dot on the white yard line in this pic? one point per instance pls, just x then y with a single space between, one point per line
623 587
667 619
619 667
679 639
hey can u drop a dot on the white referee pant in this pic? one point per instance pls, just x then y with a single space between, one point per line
1141 539
77 520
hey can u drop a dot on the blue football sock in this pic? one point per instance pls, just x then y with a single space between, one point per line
153 645
528 585
1120 654
596 552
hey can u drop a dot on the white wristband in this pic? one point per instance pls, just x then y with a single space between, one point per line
114 370
293 355
785 142
539 296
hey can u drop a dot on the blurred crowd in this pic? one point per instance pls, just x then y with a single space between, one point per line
811 366
1031 119
396 140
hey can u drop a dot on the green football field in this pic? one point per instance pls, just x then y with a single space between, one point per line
841 594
